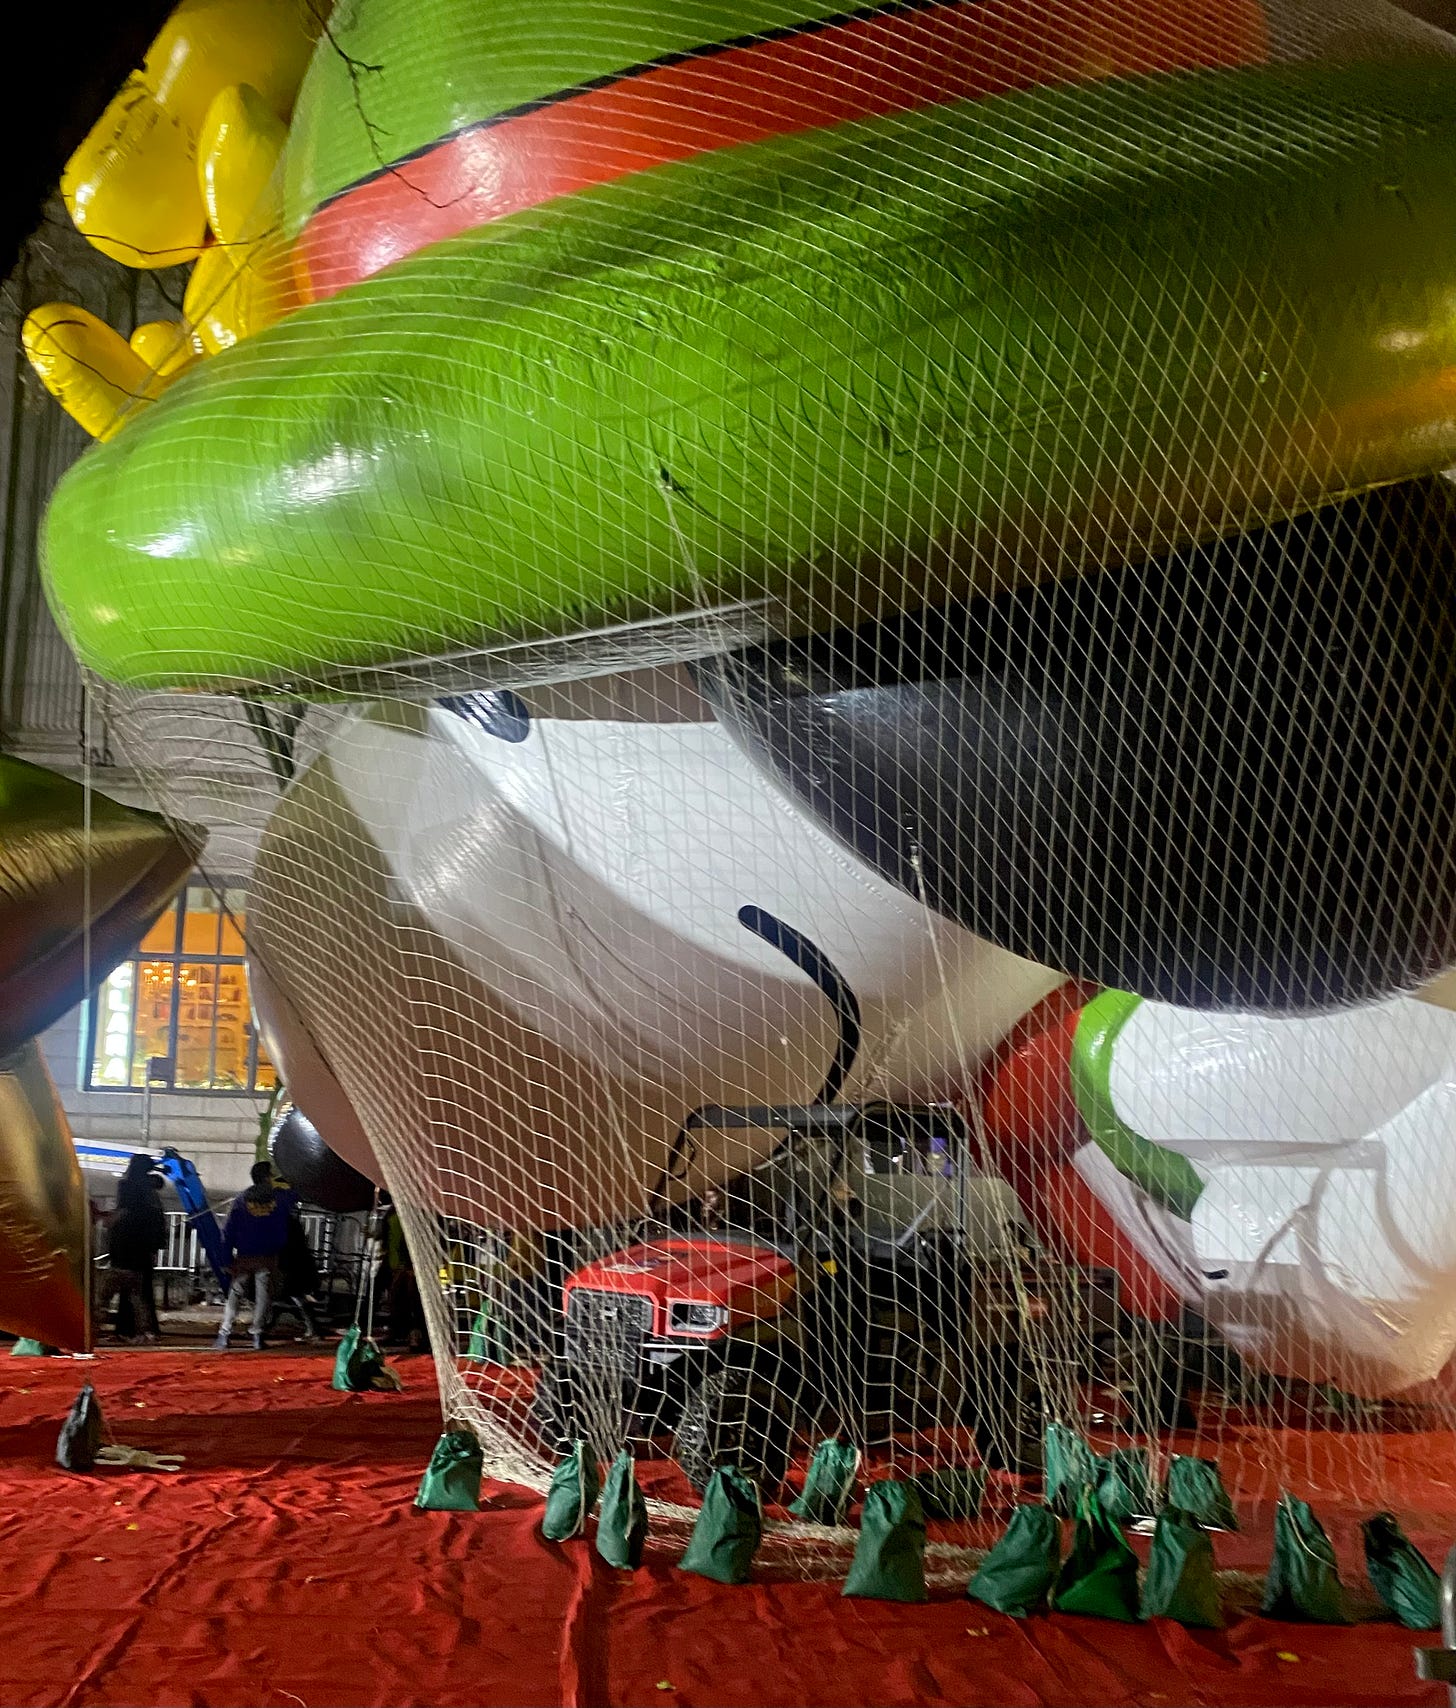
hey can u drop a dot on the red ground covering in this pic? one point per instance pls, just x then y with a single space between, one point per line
285 1564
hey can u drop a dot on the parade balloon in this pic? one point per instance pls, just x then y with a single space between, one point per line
1226 779
747 316
1292 1176
78 890
529 961
313 1087
132 187
1289 1179
318 1174
44 1213
1032 1131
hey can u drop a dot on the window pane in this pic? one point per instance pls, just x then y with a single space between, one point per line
111 1062
213 1026
199 928
199 997
153 1015
196 1017
267 1074
234 921
234 1028
162 938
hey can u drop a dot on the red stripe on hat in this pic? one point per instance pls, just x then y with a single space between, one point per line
885 60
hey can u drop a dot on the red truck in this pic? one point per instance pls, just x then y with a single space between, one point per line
867 1278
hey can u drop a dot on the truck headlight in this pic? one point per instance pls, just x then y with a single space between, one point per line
684 1317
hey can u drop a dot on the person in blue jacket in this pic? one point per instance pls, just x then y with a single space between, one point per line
253 1238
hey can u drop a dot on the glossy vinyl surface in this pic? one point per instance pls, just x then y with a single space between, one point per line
530 958
1226 780
74 897
1032 1130
839 371
44 1213
1321 1238
664 84
316 1172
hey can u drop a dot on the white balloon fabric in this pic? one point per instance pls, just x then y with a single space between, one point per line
1323 1242
503 957
514 944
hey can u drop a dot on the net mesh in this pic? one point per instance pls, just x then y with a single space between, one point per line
826 655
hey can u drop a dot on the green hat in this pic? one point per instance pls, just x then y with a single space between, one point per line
808 324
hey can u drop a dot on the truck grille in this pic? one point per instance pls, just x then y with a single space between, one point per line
605 1330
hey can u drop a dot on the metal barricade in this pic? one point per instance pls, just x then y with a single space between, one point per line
182 1259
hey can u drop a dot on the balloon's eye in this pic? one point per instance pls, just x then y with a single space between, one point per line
501 713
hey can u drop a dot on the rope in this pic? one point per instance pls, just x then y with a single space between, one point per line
366 1275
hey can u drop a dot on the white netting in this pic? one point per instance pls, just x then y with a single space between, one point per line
1013 511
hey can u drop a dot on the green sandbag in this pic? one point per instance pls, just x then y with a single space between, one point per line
451 1482
344 1359
359 1365
1125 1487
951 1491
622 1527
1180 1582
729 1527
1303 1581
829 1484
575 1485
1071 1466
1196 1488
1100 1575
1016 1577
1402 1576
25 1347
889 1557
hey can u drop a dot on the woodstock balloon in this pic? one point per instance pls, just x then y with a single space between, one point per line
517 947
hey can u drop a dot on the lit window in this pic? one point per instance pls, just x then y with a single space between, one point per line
184 995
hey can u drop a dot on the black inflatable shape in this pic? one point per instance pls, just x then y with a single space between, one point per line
499 712
314 1171
1226 779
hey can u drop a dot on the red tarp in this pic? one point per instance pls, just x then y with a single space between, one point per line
285 1565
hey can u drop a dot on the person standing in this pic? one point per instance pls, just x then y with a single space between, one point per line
137 1232
253 1238
298 1276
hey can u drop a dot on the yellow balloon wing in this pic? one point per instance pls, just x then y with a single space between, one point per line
91 370
131 186
237 162
207 44
166 346
237 291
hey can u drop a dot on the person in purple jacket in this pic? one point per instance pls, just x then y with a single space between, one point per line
253 1237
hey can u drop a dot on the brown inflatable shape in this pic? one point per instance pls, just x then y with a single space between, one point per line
44 1216
74 898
